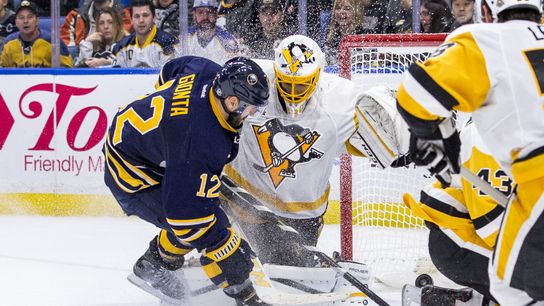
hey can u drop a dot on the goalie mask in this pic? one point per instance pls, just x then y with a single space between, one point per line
298 63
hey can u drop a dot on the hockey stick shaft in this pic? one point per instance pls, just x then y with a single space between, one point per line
484 186
283 157
248 202
350 278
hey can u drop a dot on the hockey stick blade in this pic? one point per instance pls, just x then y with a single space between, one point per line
484 186
269 294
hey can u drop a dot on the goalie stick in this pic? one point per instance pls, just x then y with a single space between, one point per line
484 186
263 284
231 191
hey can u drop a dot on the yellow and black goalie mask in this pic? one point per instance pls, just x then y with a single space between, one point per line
297 66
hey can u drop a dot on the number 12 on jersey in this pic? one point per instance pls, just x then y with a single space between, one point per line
208 189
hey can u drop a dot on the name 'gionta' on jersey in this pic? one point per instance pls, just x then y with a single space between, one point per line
462 211
174 137
495 71
286 162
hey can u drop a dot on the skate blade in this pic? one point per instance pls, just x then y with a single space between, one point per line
140 283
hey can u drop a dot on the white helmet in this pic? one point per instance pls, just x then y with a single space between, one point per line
499 6
298 62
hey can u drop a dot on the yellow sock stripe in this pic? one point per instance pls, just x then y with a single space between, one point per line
190 222
212 270
198 234
169 247
133 168
224 251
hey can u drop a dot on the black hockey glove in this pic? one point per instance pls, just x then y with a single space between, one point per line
438 153
232 255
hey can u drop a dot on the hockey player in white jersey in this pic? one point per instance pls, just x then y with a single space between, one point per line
495 71
287 153
463 223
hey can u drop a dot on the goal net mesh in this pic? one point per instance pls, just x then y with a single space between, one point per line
384 233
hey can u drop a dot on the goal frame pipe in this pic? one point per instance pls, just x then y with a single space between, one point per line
344 64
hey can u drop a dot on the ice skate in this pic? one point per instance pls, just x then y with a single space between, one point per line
159 278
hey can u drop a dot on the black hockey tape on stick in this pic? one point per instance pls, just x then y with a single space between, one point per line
484 186
239 196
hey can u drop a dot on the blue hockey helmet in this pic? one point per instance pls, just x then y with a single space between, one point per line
243 78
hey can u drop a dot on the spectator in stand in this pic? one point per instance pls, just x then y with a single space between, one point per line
317 21
167 16
347 19
208 40
271 30
398 19
96 49
462 11
30 47
81 22
242 18
374 14
7 20
435 16
147 46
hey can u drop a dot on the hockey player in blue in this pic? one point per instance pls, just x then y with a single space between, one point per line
164 155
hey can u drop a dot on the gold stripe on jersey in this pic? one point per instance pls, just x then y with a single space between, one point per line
127 176
454 72
139 172
517 222
448 221
435 213
530 167
291 207
217 112
125 180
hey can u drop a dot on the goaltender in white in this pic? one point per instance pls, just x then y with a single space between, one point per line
287 152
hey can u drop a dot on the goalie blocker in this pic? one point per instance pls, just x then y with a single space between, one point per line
381 133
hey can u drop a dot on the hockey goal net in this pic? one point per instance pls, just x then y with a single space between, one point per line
376 227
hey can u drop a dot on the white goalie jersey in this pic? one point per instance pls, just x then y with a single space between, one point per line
286 162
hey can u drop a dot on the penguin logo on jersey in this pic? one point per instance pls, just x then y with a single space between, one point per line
283 147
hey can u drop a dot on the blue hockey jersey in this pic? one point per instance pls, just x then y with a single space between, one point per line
175 139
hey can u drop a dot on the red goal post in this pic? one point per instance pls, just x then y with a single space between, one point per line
371 198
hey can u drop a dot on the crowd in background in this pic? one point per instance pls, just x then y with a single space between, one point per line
145 33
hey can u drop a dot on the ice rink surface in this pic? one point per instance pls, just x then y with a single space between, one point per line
72 261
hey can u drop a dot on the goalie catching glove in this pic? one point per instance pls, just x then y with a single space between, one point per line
381 135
